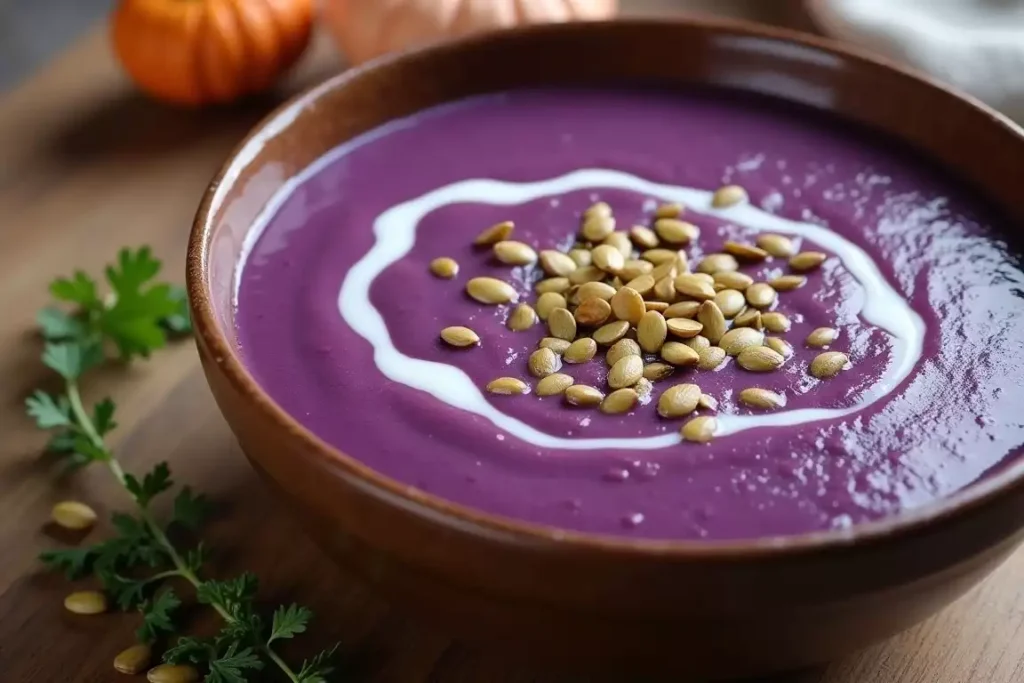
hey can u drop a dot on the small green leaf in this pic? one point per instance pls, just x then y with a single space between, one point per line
79 289
179 322
229 667
127 592
84 446
195 558
317 668
153 484
103 417
48 411
288 622
157 615
56 325
190 509
74 562
133 269
62 442
190 650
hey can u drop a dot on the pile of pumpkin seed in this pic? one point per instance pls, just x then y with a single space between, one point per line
634 294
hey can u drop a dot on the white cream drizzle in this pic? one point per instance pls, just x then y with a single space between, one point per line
395 232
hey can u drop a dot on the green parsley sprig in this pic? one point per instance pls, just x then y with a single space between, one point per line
137 317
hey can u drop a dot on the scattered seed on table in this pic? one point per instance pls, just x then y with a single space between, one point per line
597 227
679 400
643 237
669 210
679 354
727 196
656 371
619 401
71 514
580 351
668 269
787 283
548 302
559 346
634 268
507 386
829 364
700 429
665 289
133 660
581 256
597 209
626 372
776 322
627 304
86 602
514 253
496 233
583 395
556 264
750 317
711 357
698 343
779 346
643 284
683 309
562 324
776 245
608 258
659 256
689 284
659 306
522 318
489 290
460 337
711 317
759 359
173 673
594 290
821 337
556 285
444 267
717 263
747 252
736 340
760 295
585 274
675 231
620 241
621 349
609 333
707 402
731 279
684 327
555 384
651 331
756 397
807 260
544 362
593 312
730 302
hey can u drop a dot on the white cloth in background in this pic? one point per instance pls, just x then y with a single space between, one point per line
975 45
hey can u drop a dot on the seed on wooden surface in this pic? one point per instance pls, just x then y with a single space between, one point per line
626 372
829 364
746 252
556 285
669 210
730 302
713 320
508 386
610 333
557 345
71 514
807 260
548 302
597 209
556 264
594 290
651 331
821 337
583 395
514 253
585 274
739 338
711 357
593 312
634 268
779 346
733 279
659 256
665 289
668 269
656 371
86 602
683 309
729 195
628 304
555 384
460 337
489 290
659 306
786 283
684 327
620 241
688 284
756 397
700 429
675 231
707 402
173 673
619 401
760 295
698 343
621 349
444 267
580 351
597 227
544 362
679 400
561 324
759 359
642 285
750 317
643 237
679 354
580 256
776 322
496 233
717 263
608 258
776 245
133 660
522 318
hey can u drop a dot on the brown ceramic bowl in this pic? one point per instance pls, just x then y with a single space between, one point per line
717 609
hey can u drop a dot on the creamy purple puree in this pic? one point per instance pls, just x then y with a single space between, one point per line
955 416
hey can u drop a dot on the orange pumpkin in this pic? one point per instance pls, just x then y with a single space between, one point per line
195 52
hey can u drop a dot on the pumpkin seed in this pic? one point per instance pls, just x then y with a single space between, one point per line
620 241
659 256
583 395
738 339
644 388
608 258
621 349
548 302
496 233
460 337
561 324
580 351
698 343
776 322
786 283
716 263
679 400
659 306
489 290
559 346
645 238
594 290
779 346
683 309
619 401
514 253
597 209
651 331
750 317
710 358
679 354
713 320
807 260
634 268
756 397
728 195
71 514
555 285
581 256
776 245
597 227
665 289
627 304
694 287
133 660
684 327
555 384
669 210
707 402
86 602
611 332
759 359
523 317
445 267
544 362
643 284
585 274
626 372
821 337
508 386
173 673
733 279
829 364
700 429
655 371
667 269
556 264
747 252
593 312
730 302
760 295
675 231
704 277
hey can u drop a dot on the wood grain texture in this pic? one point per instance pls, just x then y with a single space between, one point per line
88 166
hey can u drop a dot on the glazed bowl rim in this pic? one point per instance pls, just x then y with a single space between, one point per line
946 509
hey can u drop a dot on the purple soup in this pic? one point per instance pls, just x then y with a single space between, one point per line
339 314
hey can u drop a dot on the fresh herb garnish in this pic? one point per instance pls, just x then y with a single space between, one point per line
137 317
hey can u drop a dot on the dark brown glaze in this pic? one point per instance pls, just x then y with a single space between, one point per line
704 609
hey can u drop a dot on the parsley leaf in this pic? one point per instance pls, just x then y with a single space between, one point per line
134 321
63 442
229 667
79 289
153 484
74 562
71 359
83 445
317 668
179 322
156 616
103 417
49 412
288 622
195 558
190 650
56 325
235 595
190 509
127 592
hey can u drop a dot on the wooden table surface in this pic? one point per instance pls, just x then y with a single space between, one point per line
88 166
